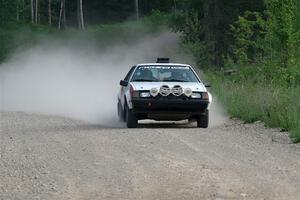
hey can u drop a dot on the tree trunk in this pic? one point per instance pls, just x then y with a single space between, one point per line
81 16
65 18
36 10
175 6
17 11
22 17
78 15
49 13
60 14
32 11
137 9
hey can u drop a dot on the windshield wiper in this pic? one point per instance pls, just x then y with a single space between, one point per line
142 80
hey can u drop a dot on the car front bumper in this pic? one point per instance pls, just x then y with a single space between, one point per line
169 105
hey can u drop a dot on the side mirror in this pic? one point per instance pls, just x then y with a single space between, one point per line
124 83
207 85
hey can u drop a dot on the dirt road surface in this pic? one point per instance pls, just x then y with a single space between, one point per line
50 157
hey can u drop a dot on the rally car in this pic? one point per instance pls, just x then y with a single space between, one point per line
163 91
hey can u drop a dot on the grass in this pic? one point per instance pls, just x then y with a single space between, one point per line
275 105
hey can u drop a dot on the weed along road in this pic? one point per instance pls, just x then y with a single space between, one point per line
50 157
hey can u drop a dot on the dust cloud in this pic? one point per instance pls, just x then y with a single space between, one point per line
217 114
60 78
77 81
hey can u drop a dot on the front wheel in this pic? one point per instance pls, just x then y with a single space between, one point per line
131 119
203 119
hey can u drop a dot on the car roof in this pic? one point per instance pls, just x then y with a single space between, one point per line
163 64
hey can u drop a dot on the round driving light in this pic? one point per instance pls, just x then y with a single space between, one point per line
164 90
177 90
188 92
154 92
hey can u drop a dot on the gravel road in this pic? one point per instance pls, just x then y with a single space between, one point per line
50 157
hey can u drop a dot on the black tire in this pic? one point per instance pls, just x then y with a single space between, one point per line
131 119
203 120
121 114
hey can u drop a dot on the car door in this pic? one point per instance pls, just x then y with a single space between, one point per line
123 88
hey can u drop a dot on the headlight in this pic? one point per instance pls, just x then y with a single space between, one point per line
145 94
188 92
154 92
196 95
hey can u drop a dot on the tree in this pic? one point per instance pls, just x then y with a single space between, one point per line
137 9
34 7
36 11
62 15
7 11
80 17
50 12
281 25
213 19
20 10
32 11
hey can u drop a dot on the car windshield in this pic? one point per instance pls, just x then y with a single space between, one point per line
164 74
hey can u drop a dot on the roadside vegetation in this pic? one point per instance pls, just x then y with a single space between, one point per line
251 56
248 50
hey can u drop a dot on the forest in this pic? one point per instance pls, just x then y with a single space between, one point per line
248 50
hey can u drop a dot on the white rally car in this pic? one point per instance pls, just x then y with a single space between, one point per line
163 91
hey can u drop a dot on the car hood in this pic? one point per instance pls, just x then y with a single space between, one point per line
196 87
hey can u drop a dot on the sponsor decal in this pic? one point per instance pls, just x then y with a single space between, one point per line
164 67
